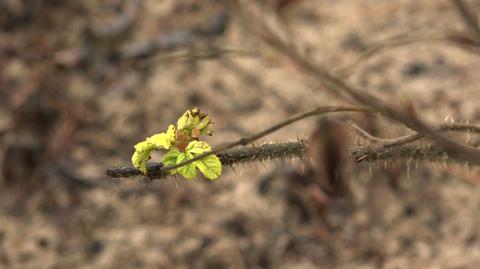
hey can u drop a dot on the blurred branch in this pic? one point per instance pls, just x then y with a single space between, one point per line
252 80
468 42
336 86
365 135
430 153
388 143
211 52
456 39
391 43
469 18
215 27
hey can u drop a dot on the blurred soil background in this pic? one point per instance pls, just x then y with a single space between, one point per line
82 81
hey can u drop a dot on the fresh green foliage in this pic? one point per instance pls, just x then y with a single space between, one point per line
182 143
163 140
188 170
210 166
142 155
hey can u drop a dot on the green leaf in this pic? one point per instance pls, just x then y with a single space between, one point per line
188 171
188 120
182 121
142 155
170 158
210 166
203 123
143 146
191 120
163 140
195 120
204 127
197 147
171 132
207 130
181 144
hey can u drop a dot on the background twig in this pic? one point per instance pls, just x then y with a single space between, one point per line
336 86
469 18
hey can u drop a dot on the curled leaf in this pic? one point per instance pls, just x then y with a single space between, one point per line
205 126
188 120
207 130
203 122
163 140
195 123
142 155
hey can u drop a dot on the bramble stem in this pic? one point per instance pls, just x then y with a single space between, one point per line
381 150
249 139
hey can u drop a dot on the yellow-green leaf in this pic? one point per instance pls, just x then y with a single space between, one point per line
203 123
142 155
143 146
210 166
182 121
185 121
171 132
163 140
207 130
170 158
188 120
188 171
204 127
197 147
181 143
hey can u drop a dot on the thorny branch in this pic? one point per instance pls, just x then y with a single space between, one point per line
228 157
381 150
275 151
249 139
320 110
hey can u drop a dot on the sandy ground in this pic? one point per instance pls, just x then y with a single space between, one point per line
83 81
